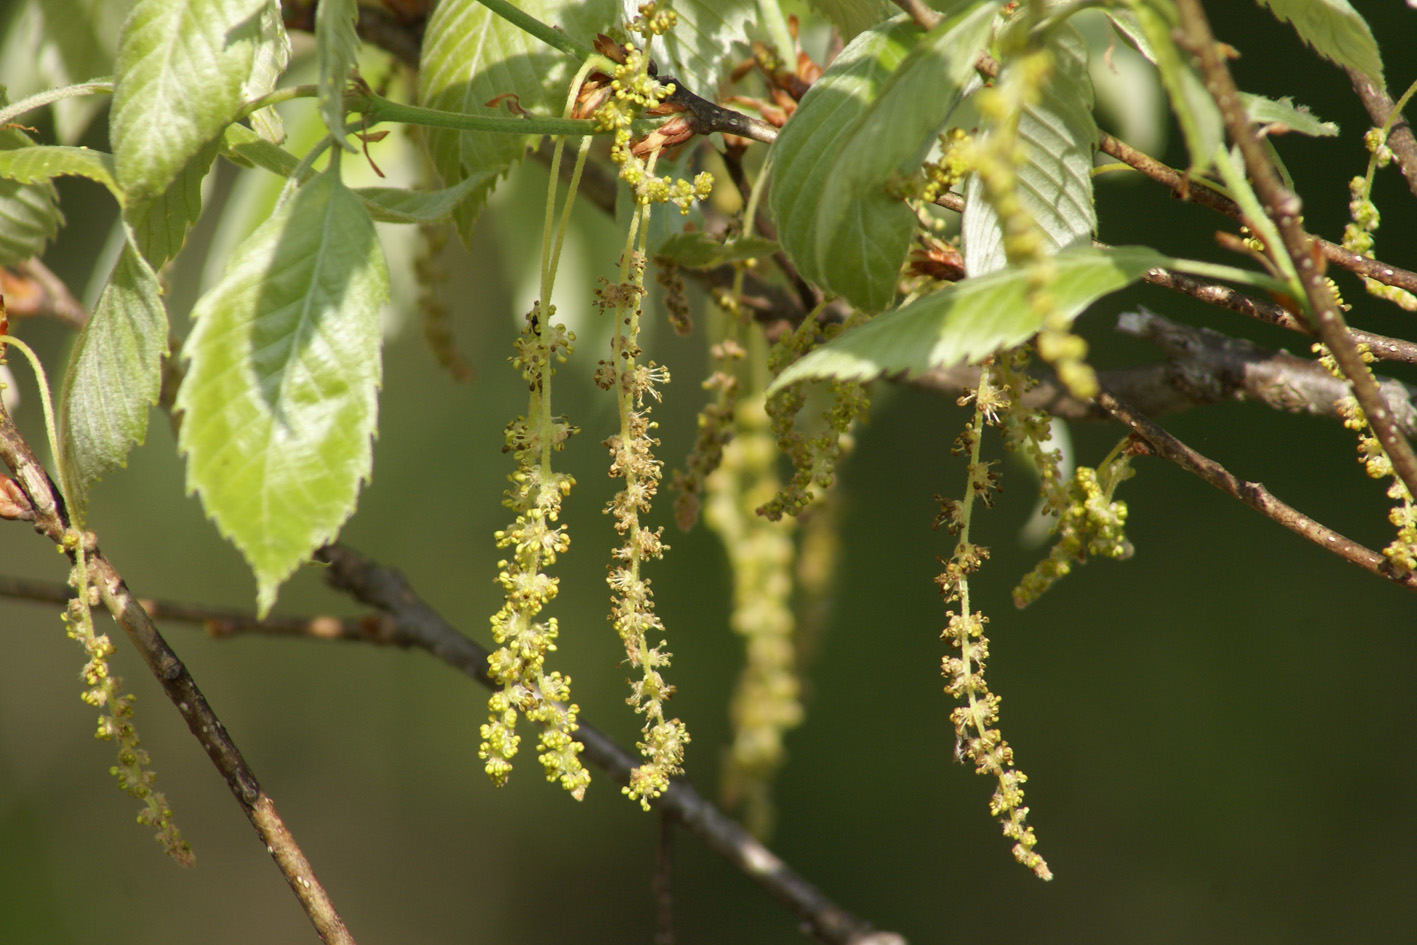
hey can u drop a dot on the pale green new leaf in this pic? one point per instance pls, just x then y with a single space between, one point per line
1195 110
400 205
471 56
336 52
29 212
182 65
970 320
861 130
1335 30
114 376
1277 116
44 162
280 398
160 225
1059 134
272 56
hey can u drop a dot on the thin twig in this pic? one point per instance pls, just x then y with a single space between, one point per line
51 521
1253 494
423 628
31 289
1282 206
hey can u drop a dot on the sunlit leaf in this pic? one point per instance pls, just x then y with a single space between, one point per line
970 320
160 225
114 376
1335 30
698 50
182 65
336 51
851 16
470 57
272 56
862 128
1059 134
279 401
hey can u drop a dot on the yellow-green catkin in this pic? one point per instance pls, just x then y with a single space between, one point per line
518 666
115 721
767 702
632 456
814 456
1358 234
1401 552
977 739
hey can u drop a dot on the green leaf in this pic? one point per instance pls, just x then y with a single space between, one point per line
851 16
1059 134
182 65
862 128
280 398
698 250
272 57
29 212
1335 30
970 320
245 147
1277 116
1195 110
471 56
160 225
72 41
336 52
114 376
400 205
697 50
43 162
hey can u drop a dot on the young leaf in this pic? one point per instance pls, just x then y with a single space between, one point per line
470 57
1059 133
182 65
114 376
866 124
336 51
851 17
279 401
1277 116
160 225
272 56
1195 110
29 212
696 51
1335 30
698 250
44 162
399 205
970 320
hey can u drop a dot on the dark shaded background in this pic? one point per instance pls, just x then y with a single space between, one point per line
1217 732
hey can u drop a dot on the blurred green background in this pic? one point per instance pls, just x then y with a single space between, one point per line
1217 733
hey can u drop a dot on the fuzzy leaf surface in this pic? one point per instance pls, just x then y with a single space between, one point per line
867 122
1059 134
182 65
279 401
970 320
471 56
114 377
1335 30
